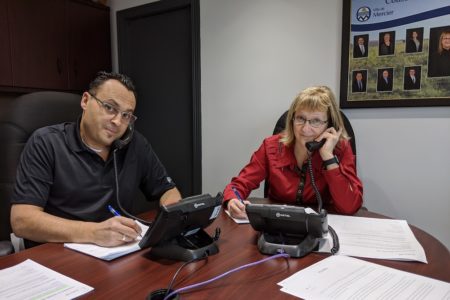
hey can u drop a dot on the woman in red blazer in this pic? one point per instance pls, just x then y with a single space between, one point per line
282 160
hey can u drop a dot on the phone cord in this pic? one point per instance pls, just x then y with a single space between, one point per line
116 177
313 183
335 238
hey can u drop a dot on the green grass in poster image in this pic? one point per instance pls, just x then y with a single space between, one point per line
430 87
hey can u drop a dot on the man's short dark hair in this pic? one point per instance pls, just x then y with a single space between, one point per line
103 76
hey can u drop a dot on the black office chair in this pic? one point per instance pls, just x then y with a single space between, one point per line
281 123
20 117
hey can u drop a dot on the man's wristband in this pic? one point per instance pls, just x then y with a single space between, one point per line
330 161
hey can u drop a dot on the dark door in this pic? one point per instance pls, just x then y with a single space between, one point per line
159 49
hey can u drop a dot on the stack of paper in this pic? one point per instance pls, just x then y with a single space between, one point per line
374 238
342 278
30 280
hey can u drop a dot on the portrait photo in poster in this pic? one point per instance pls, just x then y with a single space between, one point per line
439 54
359 81
385 81
387 43
414 40
400 52
412 78
361 43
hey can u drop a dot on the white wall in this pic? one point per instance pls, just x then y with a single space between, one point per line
256 55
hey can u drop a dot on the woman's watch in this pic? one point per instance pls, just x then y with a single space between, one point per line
330 161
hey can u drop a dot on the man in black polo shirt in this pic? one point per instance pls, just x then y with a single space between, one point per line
65 179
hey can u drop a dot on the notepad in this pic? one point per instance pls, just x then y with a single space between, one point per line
108 253
239 221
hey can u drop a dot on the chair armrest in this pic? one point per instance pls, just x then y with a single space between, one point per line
6 247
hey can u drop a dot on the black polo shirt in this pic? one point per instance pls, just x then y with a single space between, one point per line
59 173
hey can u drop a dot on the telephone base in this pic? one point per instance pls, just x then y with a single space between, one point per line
295 246
185 248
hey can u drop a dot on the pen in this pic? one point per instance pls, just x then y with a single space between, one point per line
235 191
114 212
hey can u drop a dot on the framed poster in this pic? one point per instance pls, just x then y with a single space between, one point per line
395 53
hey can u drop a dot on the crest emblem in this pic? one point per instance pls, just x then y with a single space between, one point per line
363 14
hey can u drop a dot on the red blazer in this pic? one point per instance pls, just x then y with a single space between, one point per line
340 188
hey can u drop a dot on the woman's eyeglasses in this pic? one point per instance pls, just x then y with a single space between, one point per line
316 123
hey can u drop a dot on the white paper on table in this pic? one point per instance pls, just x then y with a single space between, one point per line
108 253
239 221
343 277
374 238
30 280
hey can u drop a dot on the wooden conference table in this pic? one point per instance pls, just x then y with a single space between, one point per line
134 276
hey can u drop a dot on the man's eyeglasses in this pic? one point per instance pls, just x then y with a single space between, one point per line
316 123
111 110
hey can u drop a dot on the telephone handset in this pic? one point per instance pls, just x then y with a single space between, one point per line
125 139
314 145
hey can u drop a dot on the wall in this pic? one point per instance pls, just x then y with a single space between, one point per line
256 55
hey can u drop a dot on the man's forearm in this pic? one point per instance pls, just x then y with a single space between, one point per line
170 196
34 224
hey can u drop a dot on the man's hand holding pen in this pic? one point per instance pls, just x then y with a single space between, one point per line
121 230
115 231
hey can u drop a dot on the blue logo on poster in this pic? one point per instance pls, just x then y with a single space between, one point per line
363 14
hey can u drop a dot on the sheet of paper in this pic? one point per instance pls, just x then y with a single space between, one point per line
239 221
108 253
30 280
342 278
374 238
